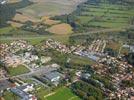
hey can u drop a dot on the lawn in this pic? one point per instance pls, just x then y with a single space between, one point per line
84 19
5 30
63 94
12 31
36 39
81 60
10 96
21 69
41 92
108 24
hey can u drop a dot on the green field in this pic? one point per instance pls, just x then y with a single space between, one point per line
10 96
41 92
17 70
5 30
81 60
103 15
10 31
36 39
63 94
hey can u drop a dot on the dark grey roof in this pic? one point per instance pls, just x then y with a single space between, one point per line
52 75
20 93
4 84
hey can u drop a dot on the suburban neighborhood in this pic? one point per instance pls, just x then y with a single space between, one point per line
38 68
66 49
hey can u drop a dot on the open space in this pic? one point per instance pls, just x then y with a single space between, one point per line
17 70
24 18
51 7
66 49
63 94
48 21
36 39
5 30
105 15
10 96
61 29
93 15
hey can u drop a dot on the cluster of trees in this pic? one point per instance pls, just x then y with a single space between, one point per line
128 83
128 34
111 1
78 24
88 69
40 28
87 91
95 2
62 59
92 82
130 58
113 69
110 52
105 81
8 11
69 19
17 32
3 66
81 39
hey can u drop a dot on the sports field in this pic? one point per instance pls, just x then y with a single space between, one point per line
62 94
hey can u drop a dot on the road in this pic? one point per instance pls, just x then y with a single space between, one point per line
32 37
105 30
40 82
22 37
38 71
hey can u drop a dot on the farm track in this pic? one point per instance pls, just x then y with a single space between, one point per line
105 31
45 37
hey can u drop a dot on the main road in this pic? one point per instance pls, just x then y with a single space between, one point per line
40 71
32 37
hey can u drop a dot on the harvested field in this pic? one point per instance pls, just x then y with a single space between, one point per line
24 18
48 21
15 24
61 29
51 7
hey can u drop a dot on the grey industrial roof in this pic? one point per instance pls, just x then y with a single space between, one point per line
20 93
52 75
